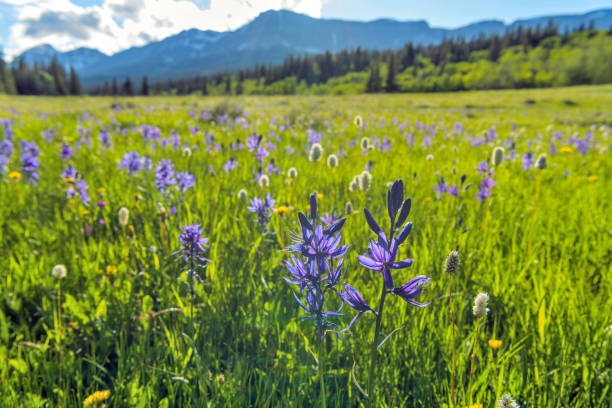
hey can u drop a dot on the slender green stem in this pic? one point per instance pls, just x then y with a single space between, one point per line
59 336
374 351
322 370
472 361
450 300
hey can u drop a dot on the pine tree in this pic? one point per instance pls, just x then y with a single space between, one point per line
114 87
127 88
59 76
391 85
144 87
374 83
495 49
228 84
75 84
204 86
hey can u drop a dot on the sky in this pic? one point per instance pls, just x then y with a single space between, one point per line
113 25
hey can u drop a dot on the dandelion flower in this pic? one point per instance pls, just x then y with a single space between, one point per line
15 175
481 303
97 397
58 272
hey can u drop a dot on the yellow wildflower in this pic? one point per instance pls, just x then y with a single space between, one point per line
319 196
566 149
592 178
111 271
15 175
69 179
101 190
478 405
97 397
283 209
84 212
495 344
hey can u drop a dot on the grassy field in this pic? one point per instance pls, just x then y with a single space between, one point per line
538 241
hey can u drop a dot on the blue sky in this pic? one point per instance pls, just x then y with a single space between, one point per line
112 25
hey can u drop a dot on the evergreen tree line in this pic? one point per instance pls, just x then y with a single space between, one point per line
319 69
38 79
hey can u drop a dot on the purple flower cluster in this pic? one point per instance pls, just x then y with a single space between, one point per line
76 185
29 160
192 249
485 188
262 208
382 254
132 162
317 266
185 181
164 175
6 151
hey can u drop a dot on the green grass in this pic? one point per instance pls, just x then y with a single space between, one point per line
540 247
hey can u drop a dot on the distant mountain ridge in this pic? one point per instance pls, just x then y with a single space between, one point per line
272 36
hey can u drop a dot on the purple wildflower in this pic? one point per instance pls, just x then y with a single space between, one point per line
230 165
132 162
164 175
66 151
262 208
185 181
528 161
442 187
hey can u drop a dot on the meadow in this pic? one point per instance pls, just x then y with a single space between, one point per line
127 323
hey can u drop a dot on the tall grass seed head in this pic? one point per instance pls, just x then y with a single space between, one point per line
58 272
316 151
358 121
365 180
364 143
541 162
124 216
292 173
332 160
242 194
264 181
452 263
481 303
498 155
348 208
354 184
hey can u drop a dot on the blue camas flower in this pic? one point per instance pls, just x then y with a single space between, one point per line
316 267
164 175
262 208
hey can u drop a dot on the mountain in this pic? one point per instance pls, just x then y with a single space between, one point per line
80 58
272 36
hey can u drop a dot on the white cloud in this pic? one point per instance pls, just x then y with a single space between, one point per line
120 24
